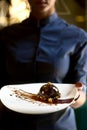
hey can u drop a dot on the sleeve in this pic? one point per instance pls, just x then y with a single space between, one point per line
78 66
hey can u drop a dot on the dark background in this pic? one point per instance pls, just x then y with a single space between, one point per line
73 11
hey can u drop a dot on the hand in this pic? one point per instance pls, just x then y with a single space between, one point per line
82 98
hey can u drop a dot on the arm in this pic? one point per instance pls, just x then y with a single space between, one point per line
80 72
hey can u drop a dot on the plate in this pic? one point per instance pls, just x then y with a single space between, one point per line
12 102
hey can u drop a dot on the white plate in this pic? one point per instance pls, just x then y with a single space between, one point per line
35 107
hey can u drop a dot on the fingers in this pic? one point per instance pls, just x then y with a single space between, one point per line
79 85
77 98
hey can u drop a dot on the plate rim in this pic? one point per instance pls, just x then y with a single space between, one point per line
33 112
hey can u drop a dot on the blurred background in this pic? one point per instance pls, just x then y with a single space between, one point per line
13 11
73 11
